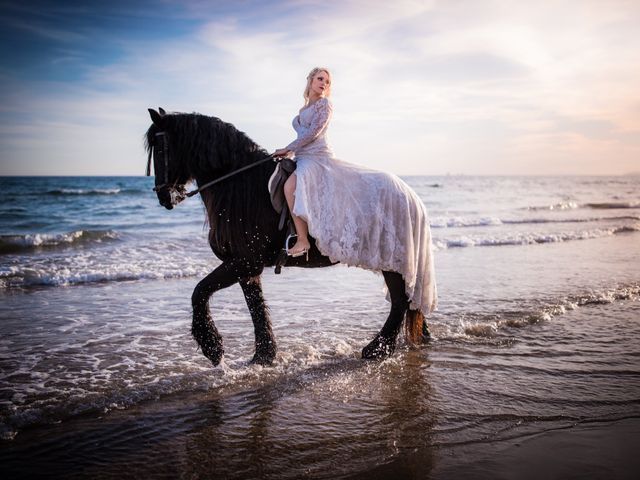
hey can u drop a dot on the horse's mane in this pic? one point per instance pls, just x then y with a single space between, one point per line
238 208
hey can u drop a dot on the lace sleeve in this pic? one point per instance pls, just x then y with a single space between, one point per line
321 116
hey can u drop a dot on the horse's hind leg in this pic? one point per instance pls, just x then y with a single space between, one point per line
265 341
203 329
384 342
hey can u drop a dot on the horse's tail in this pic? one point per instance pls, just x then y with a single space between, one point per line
415 328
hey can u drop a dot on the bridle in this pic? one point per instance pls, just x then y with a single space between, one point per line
157 152
161 157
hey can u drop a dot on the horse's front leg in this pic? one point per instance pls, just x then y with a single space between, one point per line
384 342
265 341
203 329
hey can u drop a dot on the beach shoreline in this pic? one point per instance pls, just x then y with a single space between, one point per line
532 371
100 447
594 450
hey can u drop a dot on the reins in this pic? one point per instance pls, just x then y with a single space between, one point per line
224 177
165 146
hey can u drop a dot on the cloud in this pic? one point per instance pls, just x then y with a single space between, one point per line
469 87
47 32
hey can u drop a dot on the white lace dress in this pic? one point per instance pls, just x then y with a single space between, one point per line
359 216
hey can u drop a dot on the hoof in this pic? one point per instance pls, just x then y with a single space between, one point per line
261 360
265 354
215 356
379 348
426 334
214 351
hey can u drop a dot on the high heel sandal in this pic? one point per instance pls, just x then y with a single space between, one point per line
294 255
299 254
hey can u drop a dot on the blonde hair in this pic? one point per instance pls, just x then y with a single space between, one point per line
310 77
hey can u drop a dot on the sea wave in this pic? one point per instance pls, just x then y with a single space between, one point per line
84 401
613 205
54 275
461 222
126 260
450 222
82 191
79 192
591 205
179 258
101 392
105 391
530 238
555 206
488 326
35 241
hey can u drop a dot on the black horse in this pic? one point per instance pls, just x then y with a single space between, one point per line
243 228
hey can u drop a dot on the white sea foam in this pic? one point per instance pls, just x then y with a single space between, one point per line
459 222
449 222
529 238
103 378
113 262
16 243
138 373
480 327
613 205
556 206
593 205
81 191
181 259
52 275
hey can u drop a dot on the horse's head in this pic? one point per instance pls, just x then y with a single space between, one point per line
171 174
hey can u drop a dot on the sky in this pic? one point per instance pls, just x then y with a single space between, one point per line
419 87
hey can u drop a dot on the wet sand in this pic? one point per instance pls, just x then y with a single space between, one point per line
597 450
104 448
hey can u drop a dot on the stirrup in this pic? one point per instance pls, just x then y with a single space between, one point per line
300 254
286 242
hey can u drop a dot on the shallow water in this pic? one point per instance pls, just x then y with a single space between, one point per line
538 327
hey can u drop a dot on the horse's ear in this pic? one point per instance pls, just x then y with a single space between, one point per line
156 117
161 110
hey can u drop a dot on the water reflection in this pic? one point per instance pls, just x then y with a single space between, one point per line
332 420
328 421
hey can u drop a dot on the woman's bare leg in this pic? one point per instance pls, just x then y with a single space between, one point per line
302 230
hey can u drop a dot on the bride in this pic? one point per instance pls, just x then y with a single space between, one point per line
358 216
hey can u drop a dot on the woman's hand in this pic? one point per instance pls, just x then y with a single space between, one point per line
281 152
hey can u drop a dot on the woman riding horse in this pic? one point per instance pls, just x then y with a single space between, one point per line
352 214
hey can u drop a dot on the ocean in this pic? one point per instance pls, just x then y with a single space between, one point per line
537 330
